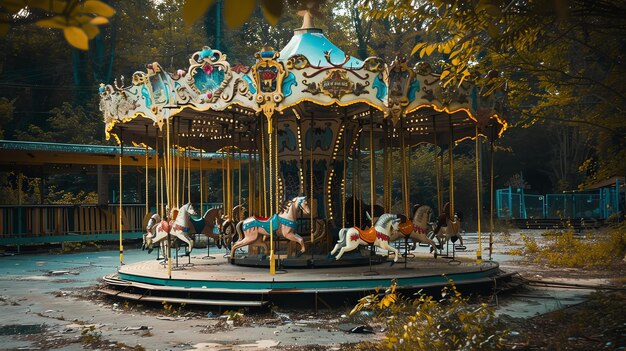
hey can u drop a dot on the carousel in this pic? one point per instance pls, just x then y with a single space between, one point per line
297 220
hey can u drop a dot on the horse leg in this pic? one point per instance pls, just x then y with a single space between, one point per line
249 236
349 246
385 246
290 235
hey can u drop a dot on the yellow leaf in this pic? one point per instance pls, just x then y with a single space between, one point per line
194 9
444 74
422 52
237 12
91 30
76 37
99 20
455 62
417 47
53 22
98 8
272 10
430 49
454 53
4 29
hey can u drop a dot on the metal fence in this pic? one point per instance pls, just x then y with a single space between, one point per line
25 224
514 203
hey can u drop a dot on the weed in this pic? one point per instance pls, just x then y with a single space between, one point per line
235 317
90 336
170 310
514 252
600 250
530 244
451 323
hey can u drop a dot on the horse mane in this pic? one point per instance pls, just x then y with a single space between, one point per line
385 218
403 218
213 211
415 208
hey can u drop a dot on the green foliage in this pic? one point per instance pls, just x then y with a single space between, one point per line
6 114
561 61
69 124
62 197
424 323
600 250
9 187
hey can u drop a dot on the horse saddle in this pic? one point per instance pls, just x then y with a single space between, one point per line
262 222
198 224
406 228
165 226
368 235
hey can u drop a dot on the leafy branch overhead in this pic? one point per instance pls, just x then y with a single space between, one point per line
237 12
79 20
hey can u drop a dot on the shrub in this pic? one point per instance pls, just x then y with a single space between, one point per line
423 323
600 250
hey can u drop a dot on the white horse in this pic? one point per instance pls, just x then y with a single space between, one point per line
250 228
377 235
150 234
179 228
416 229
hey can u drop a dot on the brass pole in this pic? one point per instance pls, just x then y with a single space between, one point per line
345 171
156 171
201 184
120 223
491 181
272 259
372 167
451 143
146 193
479 251
437 170
311 175
405 185
170 199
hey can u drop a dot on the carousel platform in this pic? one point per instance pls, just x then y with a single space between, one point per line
219 283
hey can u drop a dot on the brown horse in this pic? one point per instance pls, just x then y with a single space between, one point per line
416 229
285 222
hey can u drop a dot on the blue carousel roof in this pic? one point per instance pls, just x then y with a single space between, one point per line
313 44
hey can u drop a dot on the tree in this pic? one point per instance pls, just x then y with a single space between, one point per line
68 124
561 60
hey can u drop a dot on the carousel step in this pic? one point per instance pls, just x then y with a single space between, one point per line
179 300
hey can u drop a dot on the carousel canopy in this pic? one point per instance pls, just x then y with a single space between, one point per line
212 104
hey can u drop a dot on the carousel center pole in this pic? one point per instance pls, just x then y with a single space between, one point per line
479 255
